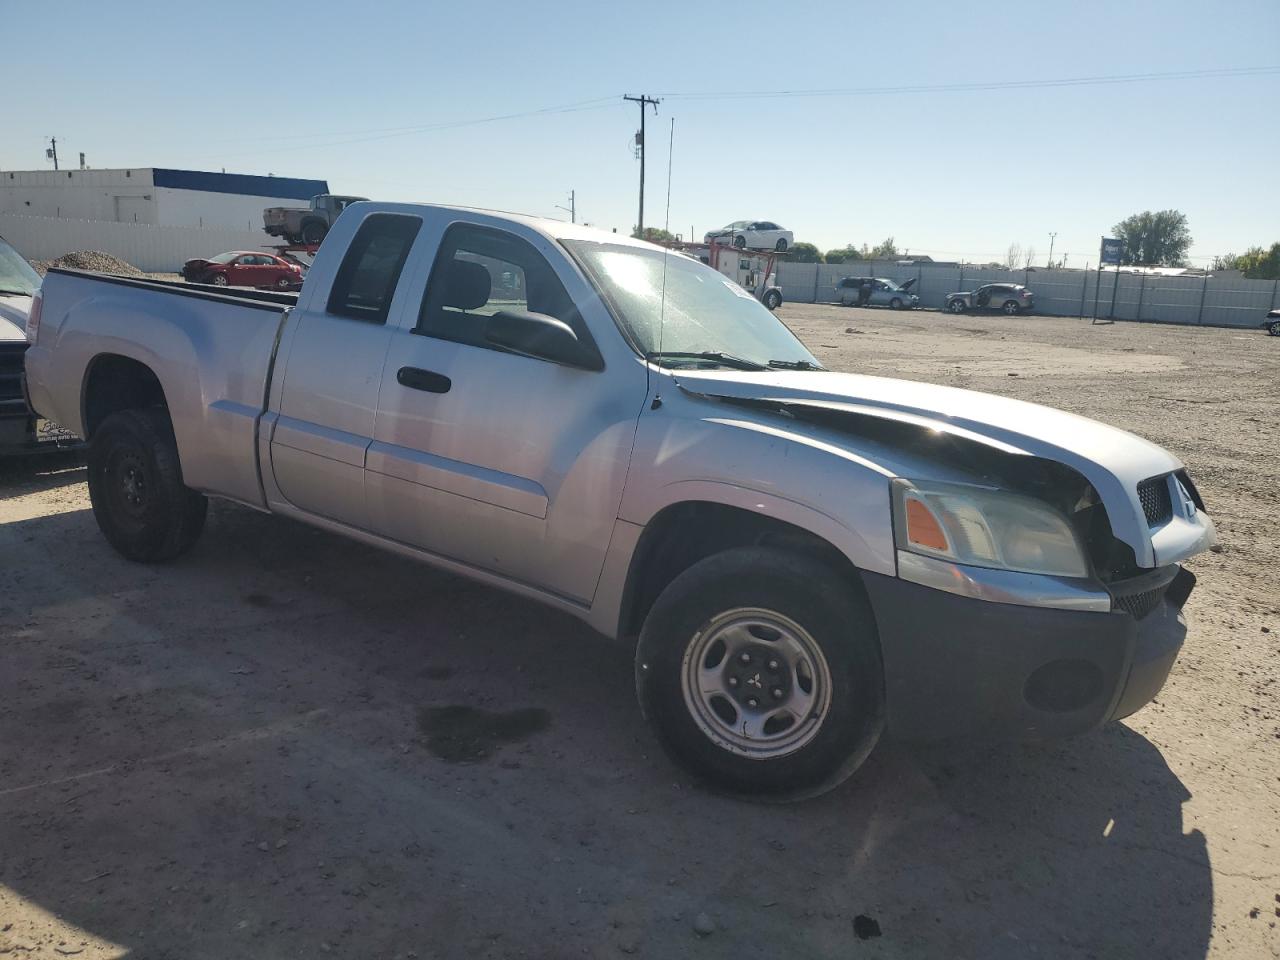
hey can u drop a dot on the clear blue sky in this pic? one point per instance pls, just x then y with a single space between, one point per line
299 89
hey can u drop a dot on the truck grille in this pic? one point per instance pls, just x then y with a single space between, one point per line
1138 596
1138 605
1156 504
11 402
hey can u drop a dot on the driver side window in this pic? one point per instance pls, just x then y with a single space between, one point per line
480 271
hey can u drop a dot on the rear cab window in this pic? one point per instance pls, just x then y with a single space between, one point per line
366 280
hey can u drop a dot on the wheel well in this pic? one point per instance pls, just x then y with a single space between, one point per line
114 383
684 533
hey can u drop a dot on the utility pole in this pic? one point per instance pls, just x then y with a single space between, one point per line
571 209
1052 236
52 152
643 101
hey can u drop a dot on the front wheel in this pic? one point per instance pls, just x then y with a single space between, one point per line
740 242
773 299
135 485
956 306
218 280
1011 307
781 245
760 673
1273 328
896 303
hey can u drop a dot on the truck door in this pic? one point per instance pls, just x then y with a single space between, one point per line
505 462
330 386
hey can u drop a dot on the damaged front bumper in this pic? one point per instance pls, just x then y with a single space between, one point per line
959 666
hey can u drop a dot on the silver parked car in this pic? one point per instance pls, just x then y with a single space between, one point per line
876 292
1009 297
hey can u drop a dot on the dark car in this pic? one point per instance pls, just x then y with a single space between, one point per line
244 268
1272 323
1009 297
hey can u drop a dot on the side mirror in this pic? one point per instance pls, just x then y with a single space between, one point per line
541 336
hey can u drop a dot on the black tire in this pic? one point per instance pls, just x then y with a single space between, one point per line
219 280
1273 328
896 303
135 484
283 283
740 242
773 299
837 619
781 245
1011 307
955 306
313 232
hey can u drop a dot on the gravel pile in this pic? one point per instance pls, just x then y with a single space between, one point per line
89 260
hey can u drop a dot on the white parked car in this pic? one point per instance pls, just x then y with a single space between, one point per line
753 235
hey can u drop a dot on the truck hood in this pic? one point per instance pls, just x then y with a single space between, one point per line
13 317
1113 460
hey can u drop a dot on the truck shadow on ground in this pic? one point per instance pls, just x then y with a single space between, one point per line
30 473
231 756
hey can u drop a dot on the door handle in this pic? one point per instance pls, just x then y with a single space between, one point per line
416 378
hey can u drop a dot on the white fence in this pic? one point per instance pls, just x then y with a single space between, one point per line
1210 301
148 247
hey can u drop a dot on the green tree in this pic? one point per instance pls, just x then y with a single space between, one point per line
1228 261
846 253
1260 264
1159 238
805 253
654 235
884 250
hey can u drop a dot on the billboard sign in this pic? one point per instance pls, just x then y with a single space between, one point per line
1112 251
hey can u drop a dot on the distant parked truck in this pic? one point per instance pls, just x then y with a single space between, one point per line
306 224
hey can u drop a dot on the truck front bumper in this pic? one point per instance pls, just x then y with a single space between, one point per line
960 667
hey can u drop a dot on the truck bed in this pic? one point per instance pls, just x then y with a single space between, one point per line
212 349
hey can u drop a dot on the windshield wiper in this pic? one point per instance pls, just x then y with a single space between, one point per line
713 356
795 365
20 293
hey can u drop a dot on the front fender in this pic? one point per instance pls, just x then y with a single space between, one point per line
786 475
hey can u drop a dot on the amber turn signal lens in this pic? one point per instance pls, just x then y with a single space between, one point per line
923 527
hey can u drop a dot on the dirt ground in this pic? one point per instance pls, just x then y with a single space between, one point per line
287 745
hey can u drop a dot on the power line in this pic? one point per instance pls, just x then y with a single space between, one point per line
1219 73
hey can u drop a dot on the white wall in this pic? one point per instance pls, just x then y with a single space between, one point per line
155 249
201 208
77 194
96 195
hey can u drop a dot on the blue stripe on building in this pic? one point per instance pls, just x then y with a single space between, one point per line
289 188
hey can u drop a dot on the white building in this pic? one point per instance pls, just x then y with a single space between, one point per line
152 195
152 217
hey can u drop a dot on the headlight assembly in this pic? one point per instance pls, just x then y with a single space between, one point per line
985 527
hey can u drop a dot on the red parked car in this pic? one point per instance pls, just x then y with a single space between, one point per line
244 268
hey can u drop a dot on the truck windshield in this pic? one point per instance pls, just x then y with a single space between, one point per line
16 275
705 312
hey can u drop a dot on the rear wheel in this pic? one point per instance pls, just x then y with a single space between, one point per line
135 484
740 242
955 306
1273 328
1011 307
313 232
283 283
773 299
781 245
760 673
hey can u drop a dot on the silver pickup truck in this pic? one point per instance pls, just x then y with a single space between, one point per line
801 560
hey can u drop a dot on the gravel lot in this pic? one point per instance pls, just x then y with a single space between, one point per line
287 745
